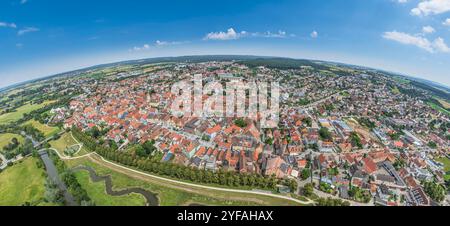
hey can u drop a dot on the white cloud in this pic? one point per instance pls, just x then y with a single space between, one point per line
27 30
408 39
144 47
9 25
428 30
230 34
446 22
314 34
431 7
159 43
268 34
438 45
402 1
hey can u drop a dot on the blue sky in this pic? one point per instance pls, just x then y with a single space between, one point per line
44 37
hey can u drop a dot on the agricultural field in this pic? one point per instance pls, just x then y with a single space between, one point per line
444 103
19 112
23 182
439 108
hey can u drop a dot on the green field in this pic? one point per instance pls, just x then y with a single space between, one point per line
5 139
174 195
439 108
18 113
401 80
21 183
446 163
395 90
64 142
48 131
97 193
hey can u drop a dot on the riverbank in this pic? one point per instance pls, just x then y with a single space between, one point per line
127 196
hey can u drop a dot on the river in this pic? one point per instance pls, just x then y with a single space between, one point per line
151 198
53 174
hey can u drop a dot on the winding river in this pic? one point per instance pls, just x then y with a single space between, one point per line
151 198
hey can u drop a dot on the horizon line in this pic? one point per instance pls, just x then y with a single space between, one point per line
43 77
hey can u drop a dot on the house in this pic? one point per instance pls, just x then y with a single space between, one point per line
418 197
211 133
273 167
369 165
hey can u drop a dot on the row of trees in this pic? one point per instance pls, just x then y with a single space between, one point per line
154 165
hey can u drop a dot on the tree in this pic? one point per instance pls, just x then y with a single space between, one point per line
306 173
432 144
399 163
307 121
355 140
269 141
434 190
241 123
308 190
325 134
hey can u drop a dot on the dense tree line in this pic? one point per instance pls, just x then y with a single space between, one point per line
436 191
23 149
52 192
68 177
282 63
167 169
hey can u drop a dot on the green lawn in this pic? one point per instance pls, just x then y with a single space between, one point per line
21 183
97 193
395 90
169 195
5 139
446 163
18 114
64 142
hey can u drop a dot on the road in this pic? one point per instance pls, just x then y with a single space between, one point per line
4 162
